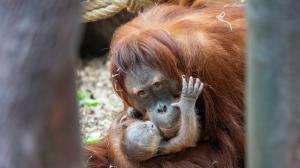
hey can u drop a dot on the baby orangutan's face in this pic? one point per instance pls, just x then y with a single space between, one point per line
141 140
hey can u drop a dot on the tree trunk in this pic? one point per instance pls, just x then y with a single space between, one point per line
38 115
273 84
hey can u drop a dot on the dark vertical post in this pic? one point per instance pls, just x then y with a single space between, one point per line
273 101
38 116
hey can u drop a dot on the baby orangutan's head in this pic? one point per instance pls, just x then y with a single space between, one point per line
140 140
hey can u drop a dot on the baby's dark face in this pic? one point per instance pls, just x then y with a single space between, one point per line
143 133
141 140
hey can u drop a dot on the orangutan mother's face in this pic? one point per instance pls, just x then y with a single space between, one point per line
151 93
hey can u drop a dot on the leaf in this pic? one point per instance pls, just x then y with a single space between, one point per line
92 140
85 99
89 103
82 94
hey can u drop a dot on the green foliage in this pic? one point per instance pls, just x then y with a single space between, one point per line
92 140
86 100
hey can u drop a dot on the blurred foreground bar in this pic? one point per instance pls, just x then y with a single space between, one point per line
38 115
273 102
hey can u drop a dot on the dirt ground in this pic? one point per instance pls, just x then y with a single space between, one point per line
93 76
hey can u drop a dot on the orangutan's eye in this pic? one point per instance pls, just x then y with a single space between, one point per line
157 85
124 126
142 93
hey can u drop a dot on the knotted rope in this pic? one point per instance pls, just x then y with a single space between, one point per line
94 10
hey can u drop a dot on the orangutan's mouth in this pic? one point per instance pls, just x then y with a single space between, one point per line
170 132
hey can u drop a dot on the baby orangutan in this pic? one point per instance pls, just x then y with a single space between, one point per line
135 140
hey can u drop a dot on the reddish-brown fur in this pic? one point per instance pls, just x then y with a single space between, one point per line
180 41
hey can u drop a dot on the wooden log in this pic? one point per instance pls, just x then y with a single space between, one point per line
38 115
273 101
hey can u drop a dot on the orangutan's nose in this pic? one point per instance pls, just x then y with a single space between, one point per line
162 108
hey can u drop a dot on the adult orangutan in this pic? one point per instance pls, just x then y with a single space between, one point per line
134 140
148 57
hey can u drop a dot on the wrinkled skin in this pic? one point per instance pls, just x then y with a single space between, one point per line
189 129
135 141
152 93
141 141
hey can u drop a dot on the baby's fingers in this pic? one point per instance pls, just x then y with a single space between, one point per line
184 86
200 89
176 105
191 87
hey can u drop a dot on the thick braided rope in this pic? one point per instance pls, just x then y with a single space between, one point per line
101 9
